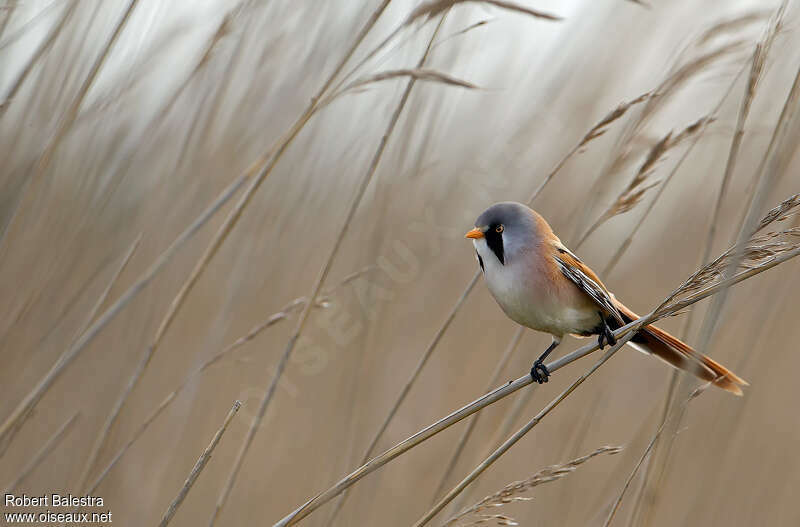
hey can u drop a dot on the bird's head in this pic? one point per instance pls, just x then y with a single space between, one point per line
502 230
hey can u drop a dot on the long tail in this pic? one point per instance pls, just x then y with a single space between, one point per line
680 355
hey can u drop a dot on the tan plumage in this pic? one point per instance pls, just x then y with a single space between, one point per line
541 284
682 356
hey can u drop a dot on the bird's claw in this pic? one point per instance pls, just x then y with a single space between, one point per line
605 334
612 340
539 372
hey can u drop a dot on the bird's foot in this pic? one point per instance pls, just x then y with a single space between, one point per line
539 372
610 338
605 334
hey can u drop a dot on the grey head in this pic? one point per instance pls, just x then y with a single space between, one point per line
507 227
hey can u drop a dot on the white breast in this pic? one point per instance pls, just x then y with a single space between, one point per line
522 291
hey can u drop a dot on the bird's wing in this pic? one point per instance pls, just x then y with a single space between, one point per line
583 277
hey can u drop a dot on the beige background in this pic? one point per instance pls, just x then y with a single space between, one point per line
127 167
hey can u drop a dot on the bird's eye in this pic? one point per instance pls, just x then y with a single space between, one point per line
499 229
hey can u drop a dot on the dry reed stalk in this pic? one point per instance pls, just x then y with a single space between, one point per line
770 249
362 187
618 501
44 46
430 9
754 247
596 131
6 18
40 291
467 29
710 478
270 321
263 167
228 75
107 291
696 130
502 431
522 400
408 384
434 7
24 28
681 73
223 29
699 286
511 492
462 441
758 63
677 77
418 74
600 128
69 305
12 423
733 24
766 174
760 251
104 295
198 467
112 417
51 443
511 441
696 139
137 74
190 137
757 252
769 170
455 417
507 389
572 447
66 121
732 259
177 302
269 161
633 193
284 313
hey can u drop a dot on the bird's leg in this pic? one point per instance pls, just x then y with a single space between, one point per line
605 332
539 371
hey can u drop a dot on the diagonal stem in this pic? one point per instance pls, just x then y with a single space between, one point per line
511 441
462 441
273 319
645 454
426 433
67 120
263 167
42 453
768 170
198 467
13 422
302 319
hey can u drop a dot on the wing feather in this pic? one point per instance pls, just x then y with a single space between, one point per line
586 280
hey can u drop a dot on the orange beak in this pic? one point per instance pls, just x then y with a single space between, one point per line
475 234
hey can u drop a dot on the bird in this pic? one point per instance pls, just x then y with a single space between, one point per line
540 284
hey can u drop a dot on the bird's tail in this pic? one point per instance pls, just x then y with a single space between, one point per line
658 342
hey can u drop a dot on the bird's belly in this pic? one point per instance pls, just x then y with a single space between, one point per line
532 303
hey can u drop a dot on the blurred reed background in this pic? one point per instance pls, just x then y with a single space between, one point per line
122 120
